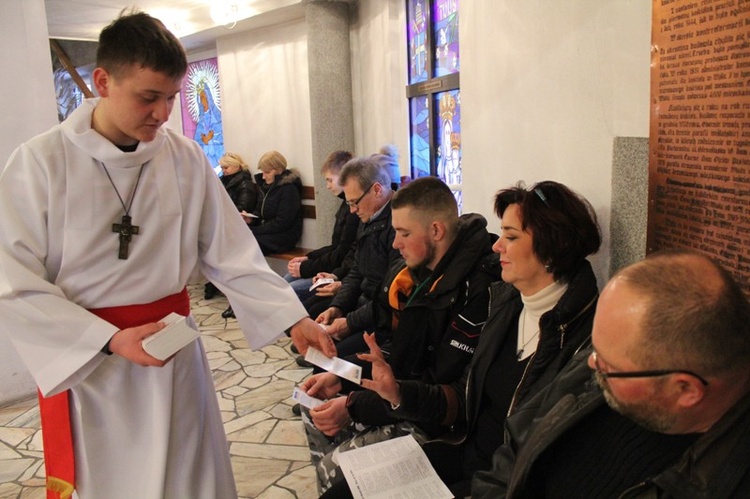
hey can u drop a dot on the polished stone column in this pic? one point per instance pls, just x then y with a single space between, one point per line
330 81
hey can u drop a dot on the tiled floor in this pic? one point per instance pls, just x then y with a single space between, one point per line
266 441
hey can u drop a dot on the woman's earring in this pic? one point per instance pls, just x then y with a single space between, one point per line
548 268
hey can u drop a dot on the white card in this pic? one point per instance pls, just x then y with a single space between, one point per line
305 399
321 282
175 335
339 367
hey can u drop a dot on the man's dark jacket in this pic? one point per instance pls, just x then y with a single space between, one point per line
716 466
328 258
435 331
374 254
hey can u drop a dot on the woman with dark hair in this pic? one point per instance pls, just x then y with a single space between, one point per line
541 313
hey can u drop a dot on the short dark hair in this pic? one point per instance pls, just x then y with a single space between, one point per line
137 39
697 317
366 171
431 197
335 162
562 222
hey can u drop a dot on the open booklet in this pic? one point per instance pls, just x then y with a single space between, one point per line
394 469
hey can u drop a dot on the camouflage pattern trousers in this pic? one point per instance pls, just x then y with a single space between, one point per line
324 450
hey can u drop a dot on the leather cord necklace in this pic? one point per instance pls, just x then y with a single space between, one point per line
125 228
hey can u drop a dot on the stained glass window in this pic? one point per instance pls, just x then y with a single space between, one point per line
417 38
420 136
445 34
433 91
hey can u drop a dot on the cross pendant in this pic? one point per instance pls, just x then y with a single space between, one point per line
126 231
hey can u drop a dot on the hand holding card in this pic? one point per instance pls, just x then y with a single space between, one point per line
337 366
321 282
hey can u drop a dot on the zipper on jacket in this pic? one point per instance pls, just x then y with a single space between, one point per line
561 328
631 490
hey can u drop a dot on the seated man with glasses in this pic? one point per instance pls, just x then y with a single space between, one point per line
667 410
367 191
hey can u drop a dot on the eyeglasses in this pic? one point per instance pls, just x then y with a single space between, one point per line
359 199
642 374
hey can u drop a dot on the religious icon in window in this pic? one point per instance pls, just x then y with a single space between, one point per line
449 141
201 109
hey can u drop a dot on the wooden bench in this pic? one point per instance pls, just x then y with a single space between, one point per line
308 211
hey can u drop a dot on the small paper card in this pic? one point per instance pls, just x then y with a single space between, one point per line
304 399
175 335
339 367
246 214
321 282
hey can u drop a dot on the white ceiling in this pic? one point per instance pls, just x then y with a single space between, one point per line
188 19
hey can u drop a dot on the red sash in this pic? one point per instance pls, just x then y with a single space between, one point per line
54 411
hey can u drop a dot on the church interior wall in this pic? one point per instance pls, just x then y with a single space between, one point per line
549 90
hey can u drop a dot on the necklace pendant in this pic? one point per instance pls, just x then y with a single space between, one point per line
126 230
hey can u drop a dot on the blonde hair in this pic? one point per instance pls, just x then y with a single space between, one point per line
272 160
233 159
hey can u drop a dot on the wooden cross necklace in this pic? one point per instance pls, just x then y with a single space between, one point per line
125 229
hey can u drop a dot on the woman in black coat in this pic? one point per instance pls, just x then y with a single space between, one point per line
277 225
238 182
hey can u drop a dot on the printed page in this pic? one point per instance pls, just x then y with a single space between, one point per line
394 469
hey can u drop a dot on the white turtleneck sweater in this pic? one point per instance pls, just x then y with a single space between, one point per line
534 307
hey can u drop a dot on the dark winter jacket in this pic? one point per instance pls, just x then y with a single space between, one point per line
279 211
374 255
241 189
716 466
436 330
562 332
328 258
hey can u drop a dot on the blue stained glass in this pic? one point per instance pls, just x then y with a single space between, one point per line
445 36
420 136
416 38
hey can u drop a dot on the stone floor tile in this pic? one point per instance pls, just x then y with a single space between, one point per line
9 490
14 436
302 482
246 357
253 383
11 412
268 451
224 380
264 396
11 469
274 492
257 433
7 452
288 433
254 475
29 419
245 421
235 391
